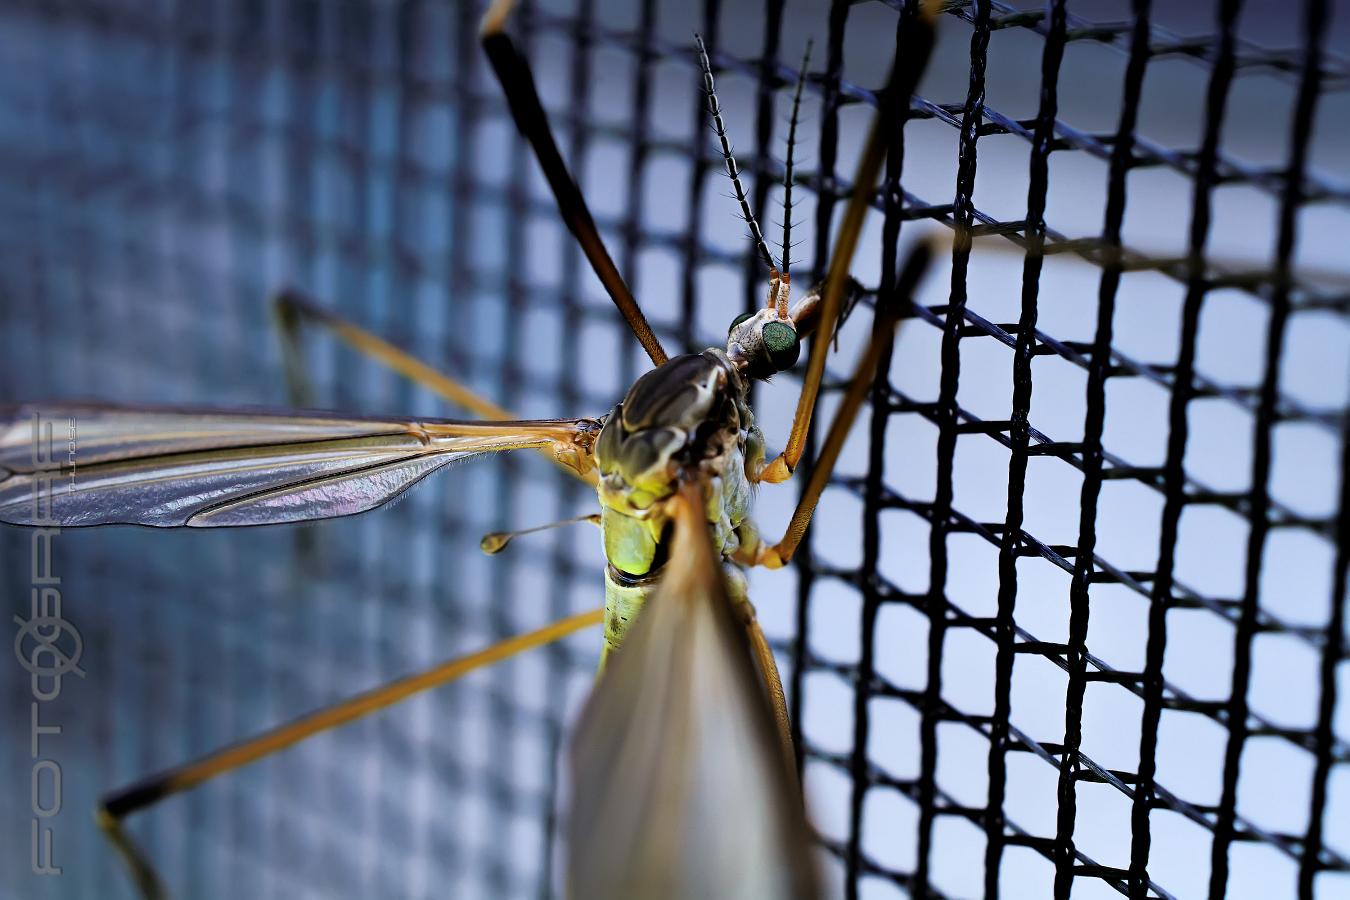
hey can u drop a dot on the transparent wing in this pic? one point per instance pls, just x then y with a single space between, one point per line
679 787
84 464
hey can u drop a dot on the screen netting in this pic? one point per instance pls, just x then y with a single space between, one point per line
1072 617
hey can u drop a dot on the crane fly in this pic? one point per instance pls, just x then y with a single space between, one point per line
683 779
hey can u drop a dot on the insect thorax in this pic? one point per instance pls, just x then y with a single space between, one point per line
688 415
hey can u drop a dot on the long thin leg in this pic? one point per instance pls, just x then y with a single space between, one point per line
883 334
292 309
911 57
118 805
142 873
773 686
513 71
288 317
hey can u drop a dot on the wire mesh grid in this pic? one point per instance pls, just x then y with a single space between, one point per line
966 727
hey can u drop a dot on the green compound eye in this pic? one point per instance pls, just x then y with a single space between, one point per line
738 320
781 341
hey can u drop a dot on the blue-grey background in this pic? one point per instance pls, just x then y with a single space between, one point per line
165 167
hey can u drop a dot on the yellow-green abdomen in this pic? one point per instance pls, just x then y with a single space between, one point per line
623 602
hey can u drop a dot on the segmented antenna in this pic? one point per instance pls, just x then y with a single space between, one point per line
735 173
787 174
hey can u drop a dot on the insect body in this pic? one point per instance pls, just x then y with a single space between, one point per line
691 414
678 459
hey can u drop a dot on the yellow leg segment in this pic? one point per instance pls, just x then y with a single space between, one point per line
293 309
773 686
117 806
883 336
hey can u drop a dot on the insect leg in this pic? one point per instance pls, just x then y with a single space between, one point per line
773 685
300 393
517 81
883 334
911 57
294 309
115 807
738 593
287 317
147 880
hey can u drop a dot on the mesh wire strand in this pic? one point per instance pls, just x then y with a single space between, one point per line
148 183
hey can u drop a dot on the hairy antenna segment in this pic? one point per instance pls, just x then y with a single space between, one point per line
787 168
732 171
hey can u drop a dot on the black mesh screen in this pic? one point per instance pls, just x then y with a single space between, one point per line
1072 617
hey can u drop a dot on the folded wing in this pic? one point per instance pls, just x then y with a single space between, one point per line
71 465
679 787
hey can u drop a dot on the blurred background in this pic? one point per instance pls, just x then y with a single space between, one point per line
1016 671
